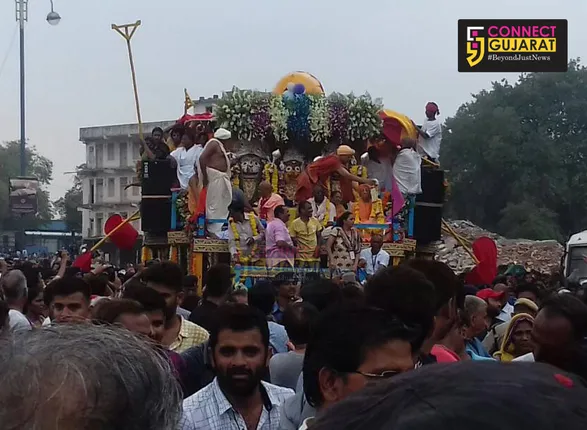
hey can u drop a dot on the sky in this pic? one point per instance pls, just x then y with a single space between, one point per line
77 73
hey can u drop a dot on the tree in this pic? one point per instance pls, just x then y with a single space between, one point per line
516 156
67 206
37 166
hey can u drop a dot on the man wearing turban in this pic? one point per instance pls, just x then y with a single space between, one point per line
430 134
214 170
319 171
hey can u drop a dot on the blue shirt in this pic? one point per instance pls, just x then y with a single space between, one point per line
278 338
277 313
476 350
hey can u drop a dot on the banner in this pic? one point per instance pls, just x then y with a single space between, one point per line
23 195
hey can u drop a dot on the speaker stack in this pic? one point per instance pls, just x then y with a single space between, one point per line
158 179
429 204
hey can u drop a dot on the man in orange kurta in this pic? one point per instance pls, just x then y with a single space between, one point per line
320 171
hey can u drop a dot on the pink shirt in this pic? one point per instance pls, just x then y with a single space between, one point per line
444 355
277 231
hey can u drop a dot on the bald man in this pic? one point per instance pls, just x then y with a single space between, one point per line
268 201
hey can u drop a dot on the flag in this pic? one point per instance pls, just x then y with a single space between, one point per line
485 272
83 262
188 103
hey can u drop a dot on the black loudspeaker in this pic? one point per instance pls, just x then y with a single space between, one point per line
156 215
427 223
428 210
432 186
158 178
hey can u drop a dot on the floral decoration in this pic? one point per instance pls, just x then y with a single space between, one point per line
319 119
278 115
255 115
183 208
233 111
339 116
363 117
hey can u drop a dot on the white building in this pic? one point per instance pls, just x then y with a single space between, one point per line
112 152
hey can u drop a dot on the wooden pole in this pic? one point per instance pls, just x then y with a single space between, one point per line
127 31
115 229
460 241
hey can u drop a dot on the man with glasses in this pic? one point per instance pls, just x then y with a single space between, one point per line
349 347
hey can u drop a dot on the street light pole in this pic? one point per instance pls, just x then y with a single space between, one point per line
22 15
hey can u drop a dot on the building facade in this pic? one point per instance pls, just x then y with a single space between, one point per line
112 153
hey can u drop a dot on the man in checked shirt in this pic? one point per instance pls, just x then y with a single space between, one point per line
237 399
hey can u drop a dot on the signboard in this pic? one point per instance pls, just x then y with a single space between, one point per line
23 195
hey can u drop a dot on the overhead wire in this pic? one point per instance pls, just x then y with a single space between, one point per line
8 50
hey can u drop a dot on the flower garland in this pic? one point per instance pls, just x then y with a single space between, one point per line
183 208
236 235
326 219
271 175
236 175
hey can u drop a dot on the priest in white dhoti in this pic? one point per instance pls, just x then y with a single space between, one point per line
215 173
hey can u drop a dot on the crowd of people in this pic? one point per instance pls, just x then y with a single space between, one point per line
411 348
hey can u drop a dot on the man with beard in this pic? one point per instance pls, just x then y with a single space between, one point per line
237 398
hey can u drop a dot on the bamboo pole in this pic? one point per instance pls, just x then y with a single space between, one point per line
460 240
127 31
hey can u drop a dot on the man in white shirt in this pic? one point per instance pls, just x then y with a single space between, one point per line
15 290
430 134
322 208
237 398
375 258
187 156
406 169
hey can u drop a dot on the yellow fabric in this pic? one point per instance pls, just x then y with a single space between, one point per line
506 351
189 335
407 124
305 235
312 85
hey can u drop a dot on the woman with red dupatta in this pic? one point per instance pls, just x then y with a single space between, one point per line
320 171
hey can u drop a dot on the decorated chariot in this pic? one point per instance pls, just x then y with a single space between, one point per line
275 135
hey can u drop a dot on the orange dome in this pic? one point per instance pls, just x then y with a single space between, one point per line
312 85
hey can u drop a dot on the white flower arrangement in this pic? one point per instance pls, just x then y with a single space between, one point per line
244 113
364 120
234 112
279 115
319 120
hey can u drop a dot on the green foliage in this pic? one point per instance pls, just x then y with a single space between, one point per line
67 206
37 166
516 156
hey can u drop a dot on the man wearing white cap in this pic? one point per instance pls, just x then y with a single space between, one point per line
319 171
215 173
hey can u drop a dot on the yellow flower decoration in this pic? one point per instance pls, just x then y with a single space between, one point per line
271 175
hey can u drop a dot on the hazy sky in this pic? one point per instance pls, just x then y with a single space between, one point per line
78 73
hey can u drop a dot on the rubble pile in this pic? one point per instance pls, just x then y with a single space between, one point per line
542 256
